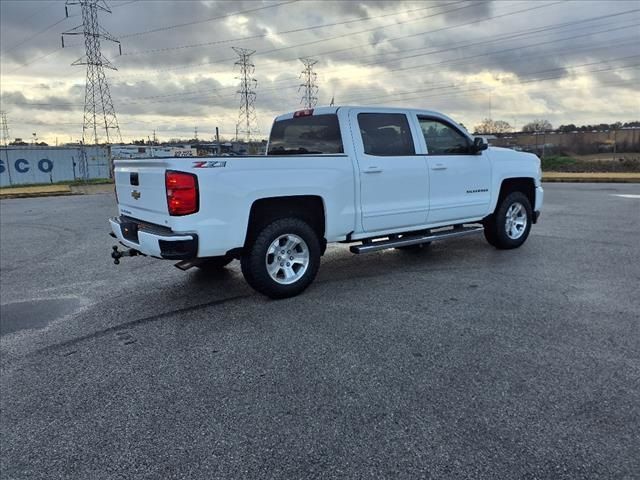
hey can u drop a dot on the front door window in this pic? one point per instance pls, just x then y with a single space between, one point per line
443 139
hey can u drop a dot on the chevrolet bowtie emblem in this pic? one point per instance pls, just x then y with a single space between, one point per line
135 194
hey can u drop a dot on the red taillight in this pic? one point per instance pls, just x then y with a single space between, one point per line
307 112
182 193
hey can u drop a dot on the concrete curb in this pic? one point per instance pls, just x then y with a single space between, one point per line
591 177
55 190
92 189
40 191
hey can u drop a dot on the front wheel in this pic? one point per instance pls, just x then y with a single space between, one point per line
283 259
510 224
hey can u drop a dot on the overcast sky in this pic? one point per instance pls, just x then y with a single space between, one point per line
568 62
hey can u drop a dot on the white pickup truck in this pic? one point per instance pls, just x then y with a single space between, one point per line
376 178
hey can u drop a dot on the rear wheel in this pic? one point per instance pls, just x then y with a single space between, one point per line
510 224
283 259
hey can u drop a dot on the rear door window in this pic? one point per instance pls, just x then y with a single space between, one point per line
386 134
310 134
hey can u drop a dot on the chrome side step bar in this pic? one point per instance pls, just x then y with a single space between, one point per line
457 231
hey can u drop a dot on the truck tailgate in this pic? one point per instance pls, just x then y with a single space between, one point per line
140 186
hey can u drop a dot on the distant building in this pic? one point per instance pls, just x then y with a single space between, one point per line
153 151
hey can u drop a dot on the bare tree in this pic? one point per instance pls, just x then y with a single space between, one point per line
492 126
538 126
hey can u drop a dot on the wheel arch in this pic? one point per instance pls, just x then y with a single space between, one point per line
525 185
310 208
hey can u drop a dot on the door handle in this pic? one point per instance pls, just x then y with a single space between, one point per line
439 166
373 170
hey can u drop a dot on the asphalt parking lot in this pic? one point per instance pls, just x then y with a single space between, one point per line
459 362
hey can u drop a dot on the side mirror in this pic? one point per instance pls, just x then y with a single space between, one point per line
479 144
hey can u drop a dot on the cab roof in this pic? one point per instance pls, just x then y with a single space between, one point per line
327 110
324 110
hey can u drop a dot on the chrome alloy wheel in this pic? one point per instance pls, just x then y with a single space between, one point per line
516 221
287 259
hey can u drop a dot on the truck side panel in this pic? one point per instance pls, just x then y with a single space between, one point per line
227 194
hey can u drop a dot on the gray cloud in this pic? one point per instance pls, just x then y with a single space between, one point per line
455 45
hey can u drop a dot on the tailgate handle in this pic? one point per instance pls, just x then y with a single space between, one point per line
134 179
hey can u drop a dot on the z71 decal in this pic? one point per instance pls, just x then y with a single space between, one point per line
210 164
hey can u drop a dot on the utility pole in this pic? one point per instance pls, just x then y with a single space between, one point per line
4 132
4 129
98 106
195 133
309 77
217 142
490 112
247 122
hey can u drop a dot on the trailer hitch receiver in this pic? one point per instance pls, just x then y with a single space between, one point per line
117 254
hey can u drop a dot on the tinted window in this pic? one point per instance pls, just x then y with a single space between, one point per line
312 134
443 139
386 134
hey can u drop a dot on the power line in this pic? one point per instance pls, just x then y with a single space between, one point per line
464 60
497 38
196 22
28 39
274 112
35 60
458 59
223 61
161 98
56 50
285 32
504 37
522 82
97 98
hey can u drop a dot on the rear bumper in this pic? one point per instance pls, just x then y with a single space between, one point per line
154 240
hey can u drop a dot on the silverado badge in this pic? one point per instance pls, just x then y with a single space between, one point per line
135 194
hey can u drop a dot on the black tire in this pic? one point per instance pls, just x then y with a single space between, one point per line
213 264
254 258
495 228
490 231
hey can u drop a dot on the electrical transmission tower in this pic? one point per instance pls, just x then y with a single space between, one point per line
308 76
247 122
4 129
98 106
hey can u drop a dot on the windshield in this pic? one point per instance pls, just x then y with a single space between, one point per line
311 134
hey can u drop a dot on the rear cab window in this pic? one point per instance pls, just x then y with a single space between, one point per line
311 134
386 134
